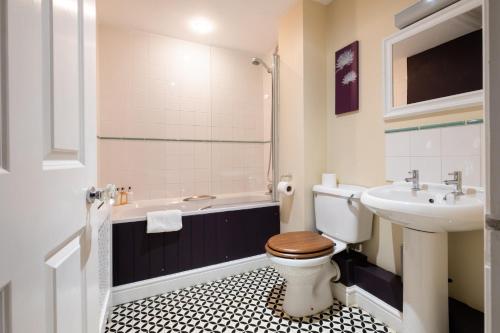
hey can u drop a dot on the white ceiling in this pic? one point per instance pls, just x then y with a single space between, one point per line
250 25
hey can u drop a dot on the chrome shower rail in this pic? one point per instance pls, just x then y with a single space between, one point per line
179 140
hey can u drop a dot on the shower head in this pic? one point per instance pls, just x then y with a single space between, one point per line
258 61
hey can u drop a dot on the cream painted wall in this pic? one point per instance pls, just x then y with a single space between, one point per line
291 131
302 142
315 17
355 142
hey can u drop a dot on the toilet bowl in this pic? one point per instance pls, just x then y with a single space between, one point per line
307 274
304 258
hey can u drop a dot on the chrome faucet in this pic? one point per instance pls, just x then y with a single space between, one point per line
457 181
414 179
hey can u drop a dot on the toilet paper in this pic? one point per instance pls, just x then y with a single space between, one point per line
285 188
329 180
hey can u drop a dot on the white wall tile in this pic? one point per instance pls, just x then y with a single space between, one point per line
437 152
172 176
173 117
201 175
187 189
173 190
186 131
461 140
396 168
397 144
161 87
429 168
469 165
202 187
425 142
202 132
202 119
187 176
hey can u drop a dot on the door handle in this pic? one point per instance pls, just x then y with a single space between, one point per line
492 223
101 194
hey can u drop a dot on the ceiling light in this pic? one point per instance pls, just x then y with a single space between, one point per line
201 25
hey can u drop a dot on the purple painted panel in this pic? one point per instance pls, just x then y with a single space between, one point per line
206 239
347 79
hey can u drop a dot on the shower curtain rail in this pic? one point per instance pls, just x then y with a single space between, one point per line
180 140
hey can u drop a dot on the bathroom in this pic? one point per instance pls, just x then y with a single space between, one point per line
249 166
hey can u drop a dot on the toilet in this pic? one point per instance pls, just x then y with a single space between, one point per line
304 258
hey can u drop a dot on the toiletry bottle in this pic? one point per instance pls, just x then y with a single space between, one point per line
130 195
118 197
123 200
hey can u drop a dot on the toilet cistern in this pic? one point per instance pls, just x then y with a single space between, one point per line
304 258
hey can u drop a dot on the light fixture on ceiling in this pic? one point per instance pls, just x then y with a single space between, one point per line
201 25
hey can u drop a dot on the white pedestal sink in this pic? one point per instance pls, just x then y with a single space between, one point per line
427 215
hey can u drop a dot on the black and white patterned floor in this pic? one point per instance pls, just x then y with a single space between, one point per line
249 302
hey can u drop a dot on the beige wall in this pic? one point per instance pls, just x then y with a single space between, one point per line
355 142
315 74
302 142
291 139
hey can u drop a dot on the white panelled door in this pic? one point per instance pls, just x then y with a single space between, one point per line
492 229
49 281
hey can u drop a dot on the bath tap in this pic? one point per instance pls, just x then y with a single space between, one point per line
414 179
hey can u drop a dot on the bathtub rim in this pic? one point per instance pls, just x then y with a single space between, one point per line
223 208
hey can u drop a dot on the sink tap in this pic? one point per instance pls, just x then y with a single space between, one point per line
414 179
457 181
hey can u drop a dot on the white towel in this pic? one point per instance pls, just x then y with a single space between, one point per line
164 221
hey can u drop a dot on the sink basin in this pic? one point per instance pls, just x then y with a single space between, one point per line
427 209
427 214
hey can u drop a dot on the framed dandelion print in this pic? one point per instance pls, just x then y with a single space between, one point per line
347 79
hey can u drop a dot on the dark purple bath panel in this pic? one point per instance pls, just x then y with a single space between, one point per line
204 240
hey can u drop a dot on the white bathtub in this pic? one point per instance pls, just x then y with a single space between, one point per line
136 211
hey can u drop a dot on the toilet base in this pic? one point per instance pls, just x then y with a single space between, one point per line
308 289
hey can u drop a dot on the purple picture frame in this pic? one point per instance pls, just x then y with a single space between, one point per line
347 79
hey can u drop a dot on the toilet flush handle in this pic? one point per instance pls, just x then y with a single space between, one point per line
349 200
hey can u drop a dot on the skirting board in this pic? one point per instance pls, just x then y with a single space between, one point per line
151 287
355 296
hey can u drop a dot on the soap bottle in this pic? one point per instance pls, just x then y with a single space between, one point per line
130 195
123 196
118 197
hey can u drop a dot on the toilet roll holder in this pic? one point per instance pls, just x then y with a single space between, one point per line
286 177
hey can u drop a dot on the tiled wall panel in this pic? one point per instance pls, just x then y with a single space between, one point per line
436 152
153 86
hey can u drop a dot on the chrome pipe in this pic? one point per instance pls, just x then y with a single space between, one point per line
275 122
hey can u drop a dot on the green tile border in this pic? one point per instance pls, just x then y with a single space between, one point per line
433 126
441 125
397 130
475 121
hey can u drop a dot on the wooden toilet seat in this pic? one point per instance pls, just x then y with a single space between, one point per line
299 245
